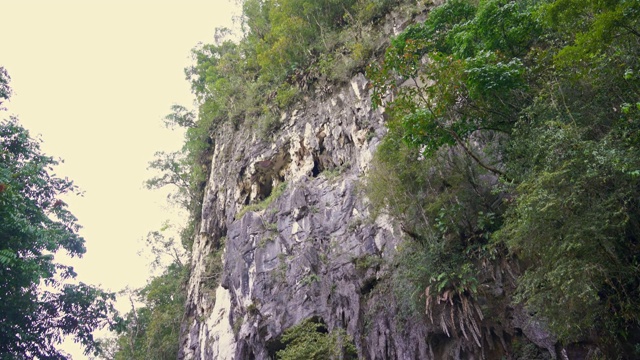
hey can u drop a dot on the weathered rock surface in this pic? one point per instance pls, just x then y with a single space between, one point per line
295 259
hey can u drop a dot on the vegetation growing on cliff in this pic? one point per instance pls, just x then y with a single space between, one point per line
289 48
515 139
152 328
311 340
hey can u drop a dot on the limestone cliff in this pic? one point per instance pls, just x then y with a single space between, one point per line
309 248
294 259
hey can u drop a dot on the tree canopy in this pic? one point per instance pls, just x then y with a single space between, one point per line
39 304
151 330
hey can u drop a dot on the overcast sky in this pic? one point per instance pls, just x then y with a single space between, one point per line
94 79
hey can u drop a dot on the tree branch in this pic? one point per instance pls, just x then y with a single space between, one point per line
474 156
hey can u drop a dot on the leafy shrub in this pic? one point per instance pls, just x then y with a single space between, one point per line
41 304
310 340
264 203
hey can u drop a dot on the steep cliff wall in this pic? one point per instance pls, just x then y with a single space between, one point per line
296 258
291 223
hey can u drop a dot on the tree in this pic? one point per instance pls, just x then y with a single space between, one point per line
174 171
38 305
5 89
152 331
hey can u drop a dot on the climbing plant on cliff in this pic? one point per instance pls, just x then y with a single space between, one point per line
543 97
39 304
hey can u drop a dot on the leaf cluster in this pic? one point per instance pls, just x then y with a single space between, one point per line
152 330
310 340
5 89
39 304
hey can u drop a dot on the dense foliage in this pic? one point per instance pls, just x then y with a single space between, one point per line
38 303
311 340
151 329
514 134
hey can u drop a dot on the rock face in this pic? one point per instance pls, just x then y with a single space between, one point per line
290 221
298 257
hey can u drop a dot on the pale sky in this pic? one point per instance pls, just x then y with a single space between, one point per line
94 79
